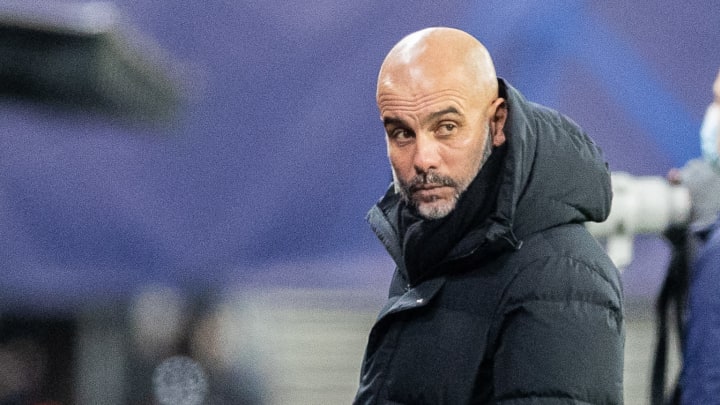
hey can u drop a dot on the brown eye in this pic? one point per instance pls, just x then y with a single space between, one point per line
446 129
399 134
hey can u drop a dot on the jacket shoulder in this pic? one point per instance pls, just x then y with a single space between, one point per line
559 329
565 263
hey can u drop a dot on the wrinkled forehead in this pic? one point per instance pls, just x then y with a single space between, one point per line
392 105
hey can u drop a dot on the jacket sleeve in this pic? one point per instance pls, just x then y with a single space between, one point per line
561 339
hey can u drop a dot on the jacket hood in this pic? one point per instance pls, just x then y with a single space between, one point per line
553 173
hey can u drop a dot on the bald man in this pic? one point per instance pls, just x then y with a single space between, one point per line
499 294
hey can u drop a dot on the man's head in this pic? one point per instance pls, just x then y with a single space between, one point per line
438 98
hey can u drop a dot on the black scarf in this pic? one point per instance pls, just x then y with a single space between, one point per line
427 242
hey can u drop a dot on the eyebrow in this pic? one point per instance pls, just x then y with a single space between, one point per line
394 121
438 114
400 122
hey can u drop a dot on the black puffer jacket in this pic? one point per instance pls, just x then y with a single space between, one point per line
525 308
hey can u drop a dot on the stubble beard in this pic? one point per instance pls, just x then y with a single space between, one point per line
434 210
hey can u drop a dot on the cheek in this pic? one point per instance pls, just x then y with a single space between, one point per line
400 159
468 159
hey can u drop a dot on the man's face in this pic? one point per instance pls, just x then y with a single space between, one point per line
437 140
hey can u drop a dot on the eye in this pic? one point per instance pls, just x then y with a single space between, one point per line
400 135
446 129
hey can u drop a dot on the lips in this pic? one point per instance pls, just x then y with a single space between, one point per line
428 193
426 187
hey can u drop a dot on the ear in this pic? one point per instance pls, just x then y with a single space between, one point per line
497 121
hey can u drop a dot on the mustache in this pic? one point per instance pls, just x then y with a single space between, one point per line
431 178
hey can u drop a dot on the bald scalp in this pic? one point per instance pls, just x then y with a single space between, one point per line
429 55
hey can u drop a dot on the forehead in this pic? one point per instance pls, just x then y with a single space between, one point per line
417 86
397 103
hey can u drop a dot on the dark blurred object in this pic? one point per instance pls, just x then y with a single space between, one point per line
36 360
670 305
77 55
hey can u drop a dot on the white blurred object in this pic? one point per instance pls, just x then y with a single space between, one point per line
641 205
158 317
180 380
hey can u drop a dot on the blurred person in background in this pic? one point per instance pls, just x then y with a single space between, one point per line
499 292
700 375
701 179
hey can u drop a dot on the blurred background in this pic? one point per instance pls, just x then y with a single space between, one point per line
188 180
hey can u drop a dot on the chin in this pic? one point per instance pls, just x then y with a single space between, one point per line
435 210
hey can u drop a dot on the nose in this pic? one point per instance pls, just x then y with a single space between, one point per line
427 156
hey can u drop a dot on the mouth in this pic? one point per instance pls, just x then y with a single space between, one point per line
426 187
428 192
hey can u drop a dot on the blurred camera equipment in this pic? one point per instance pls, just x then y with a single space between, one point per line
641 205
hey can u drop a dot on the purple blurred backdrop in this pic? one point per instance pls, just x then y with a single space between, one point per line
266 176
